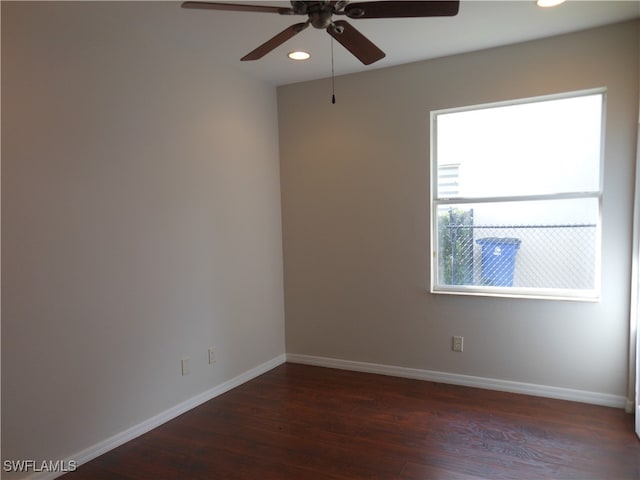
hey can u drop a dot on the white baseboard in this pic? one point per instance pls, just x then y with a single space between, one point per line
115 441
560 393
629 406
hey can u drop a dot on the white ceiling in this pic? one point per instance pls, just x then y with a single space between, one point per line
226 36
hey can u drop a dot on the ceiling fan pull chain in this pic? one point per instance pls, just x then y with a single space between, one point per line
333 88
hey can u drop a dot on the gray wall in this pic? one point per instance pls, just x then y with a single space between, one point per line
140 223
355 193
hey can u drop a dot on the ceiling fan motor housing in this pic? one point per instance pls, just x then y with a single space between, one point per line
320 14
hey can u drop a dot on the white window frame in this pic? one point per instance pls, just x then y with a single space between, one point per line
589 295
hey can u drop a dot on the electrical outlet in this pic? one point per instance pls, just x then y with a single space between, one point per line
457 343
212 356
185 366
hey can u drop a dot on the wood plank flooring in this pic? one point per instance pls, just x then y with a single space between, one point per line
304 423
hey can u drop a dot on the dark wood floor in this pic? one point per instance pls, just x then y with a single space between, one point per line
304 423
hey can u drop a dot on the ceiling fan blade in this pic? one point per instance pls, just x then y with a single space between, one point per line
399 9
237 7
275 42
351 39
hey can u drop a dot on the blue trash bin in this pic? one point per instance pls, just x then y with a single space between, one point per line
498 260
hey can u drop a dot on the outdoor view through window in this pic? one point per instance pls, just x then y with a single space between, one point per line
516 197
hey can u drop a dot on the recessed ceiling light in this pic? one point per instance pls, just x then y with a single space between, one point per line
298 55
549 3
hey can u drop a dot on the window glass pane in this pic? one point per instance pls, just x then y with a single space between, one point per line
544 147
549 244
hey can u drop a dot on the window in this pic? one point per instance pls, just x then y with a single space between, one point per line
516 195
448 180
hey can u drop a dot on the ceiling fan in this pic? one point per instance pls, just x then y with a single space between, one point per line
320 15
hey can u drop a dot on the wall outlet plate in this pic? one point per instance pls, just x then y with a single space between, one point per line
457 343
212 356
185 366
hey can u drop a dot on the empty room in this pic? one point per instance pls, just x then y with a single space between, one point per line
412 255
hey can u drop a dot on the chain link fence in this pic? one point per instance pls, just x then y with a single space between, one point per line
526 256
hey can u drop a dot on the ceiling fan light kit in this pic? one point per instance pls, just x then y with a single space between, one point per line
320 15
